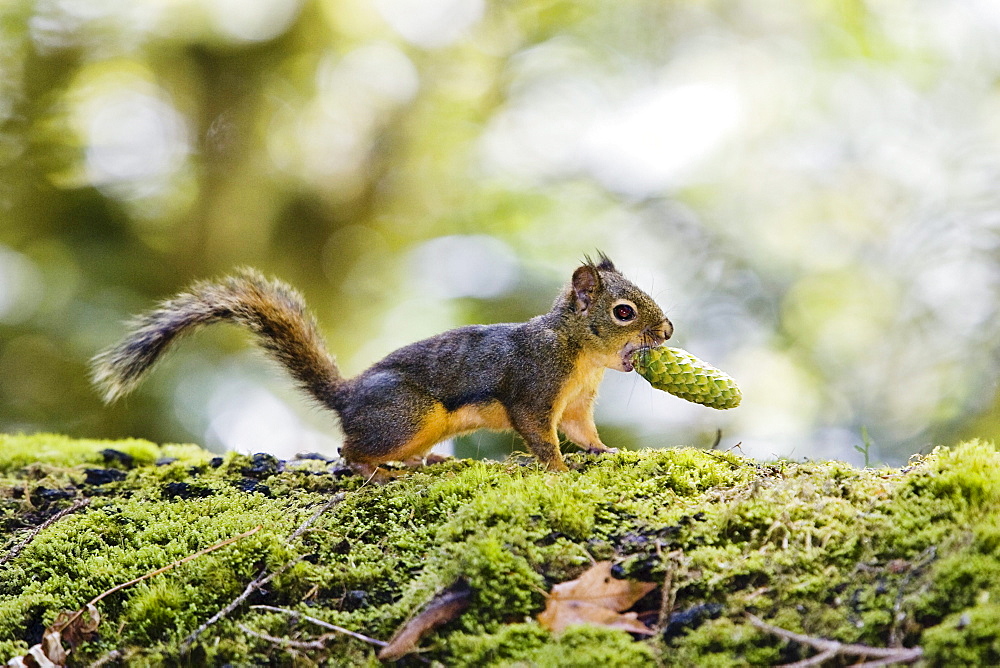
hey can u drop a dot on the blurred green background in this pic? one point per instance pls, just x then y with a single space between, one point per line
810 188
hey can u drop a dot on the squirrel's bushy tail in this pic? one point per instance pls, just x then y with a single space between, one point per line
272 310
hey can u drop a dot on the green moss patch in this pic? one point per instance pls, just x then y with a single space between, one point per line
881 557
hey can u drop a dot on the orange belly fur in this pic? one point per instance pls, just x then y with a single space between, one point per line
439 424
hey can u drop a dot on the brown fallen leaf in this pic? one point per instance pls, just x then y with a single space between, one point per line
444 607
70 627
76 626
595 598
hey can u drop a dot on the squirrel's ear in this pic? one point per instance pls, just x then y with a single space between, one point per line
585 285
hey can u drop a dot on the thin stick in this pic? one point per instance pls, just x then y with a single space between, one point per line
831 647
211 548
814 660
297 644
370 478
669 591
334 500
79 503
254 585
320 622
262 578
886 661
186 559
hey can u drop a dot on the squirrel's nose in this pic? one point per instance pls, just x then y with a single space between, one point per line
663 331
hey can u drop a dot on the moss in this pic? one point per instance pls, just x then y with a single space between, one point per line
968 476
870 556
512 643
723 643
61 451
527 644
583 646
967 638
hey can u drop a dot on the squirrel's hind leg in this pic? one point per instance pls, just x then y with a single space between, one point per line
390 420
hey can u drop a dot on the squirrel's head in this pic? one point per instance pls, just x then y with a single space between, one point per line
617 317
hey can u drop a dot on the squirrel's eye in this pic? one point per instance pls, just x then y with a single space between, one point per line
624 312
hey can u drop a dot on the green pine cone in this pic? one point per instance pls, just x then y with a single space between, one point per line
683 375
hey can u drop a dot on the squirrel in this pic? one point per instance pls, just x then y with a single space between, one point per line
534 377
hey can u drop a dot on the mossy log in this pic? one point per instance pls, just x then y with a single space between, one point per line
884 557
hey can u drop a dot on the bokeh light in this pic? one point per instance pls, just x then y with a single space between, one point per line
808 189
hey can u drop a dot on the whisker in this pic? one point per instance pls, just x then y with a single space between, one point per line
635 380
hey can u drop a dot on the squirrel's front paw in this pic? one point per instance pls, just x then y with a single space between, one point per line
601 449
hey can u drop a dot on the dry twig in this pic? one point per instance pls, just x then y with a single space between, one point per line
262 578
71 629
254 585
884 656
334 500
79 503
669 590
210 548
174 564
444 607
320 622
319 643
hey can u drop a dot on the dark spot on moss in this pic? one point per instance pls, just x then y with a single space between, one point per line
112 456
313 455
34 627
342 472
43 496
251 485
633 542
262 465
341 547
690 619
637 568
183 490
103 476
355 599
550 538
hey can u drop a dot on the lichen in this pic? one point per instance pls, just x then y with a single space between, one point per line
878 556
